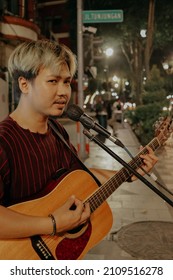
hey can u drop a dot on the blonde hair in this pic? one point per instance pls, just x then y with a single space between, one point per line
29 57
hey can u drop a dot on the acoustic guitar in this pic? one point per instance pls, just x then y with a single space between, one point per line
74 244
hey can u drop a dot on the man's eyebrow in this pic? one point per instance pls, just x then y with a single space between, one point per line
59 76
68 77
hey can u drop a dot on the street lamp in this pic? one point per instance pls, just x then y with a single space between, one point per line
109 52
90 29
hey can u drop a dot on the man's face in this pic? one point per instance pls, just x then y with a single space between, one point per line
49 93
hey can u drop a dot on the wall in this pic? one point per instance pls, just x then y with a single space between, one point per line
3 99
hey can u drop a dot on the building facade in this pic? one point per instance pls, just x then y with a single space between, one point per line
25 20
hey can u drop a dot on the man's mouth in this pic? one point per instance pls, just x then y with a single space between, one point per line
60 103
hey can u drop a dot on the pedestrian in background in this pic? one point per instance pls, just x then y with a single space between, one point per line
101 112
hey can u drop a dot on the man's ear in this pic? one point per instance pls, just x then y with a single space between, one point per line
23 84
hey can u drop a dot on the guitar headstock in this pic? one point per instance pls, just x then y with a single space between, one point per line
163 128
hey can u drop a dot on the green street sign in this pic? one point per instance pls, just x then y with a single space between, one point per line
102 16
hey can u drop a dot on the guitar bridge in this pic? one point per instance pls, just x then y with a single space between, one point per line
41 248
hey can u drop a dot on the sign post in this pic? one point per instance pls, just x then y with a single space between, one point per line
89 17
81 143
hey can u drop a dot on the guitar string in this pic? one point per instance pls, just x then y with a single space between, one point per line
118 179
153 144
152 175
107 188
101 194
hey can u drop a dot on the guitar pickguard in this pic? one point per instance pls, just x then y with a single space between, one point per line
71 248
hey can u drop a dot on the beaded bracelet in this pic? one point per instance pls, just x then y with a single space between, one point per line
54 224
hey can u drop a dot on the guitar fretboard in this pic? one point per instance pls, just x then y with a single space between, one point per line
103 192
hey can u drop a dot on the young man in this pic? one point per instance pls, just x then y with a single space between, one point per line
30 151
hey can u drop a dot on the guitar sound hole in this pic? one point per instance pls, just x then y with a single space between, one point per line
75 230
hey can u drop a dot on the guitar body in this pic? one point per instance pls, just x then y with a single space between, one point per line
72 245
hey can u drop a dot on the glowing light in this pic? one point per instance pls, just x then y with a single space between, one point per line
109 52
165 66
143 33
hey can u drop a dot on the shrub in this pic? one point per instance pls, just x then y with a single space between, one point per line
142 120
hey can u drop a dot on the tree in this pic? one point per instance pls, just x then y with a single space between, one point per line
153 15
154 99
154 91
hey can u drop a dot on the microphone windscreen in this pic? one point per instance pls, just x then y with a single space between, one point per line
74 112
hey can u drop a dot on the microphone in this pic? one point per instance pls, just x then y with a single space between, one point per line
75 113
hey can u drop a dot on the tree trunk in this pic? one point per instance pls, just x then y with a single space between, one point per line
149 39
135 52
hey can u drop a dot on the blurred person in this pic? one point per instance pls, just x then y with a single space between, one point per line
117 109
101 111
117 115
108 107
30 151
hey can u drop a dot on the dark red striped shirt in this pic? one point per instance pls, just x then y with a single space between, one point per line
29 160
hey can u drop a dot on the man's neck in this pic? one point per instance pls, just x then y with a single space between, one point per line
34 124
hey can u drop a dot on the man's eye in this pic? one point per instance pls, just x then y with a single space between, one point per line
52 81
68 82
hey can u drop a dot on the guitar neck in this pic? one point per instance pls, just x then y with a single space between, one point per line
103 192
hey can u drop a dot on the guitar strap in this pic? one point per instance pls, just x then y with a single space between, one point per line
54 126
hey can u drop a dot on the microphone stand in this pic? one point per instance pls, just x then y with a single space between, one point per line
92 137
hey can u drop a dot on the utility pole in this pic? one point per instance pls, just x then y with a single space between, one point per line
82 152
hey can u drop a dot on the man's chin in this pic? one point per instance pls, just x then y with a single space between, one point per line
57 114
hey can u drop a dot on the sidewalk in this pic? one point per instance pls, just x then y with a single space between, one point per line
143 222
